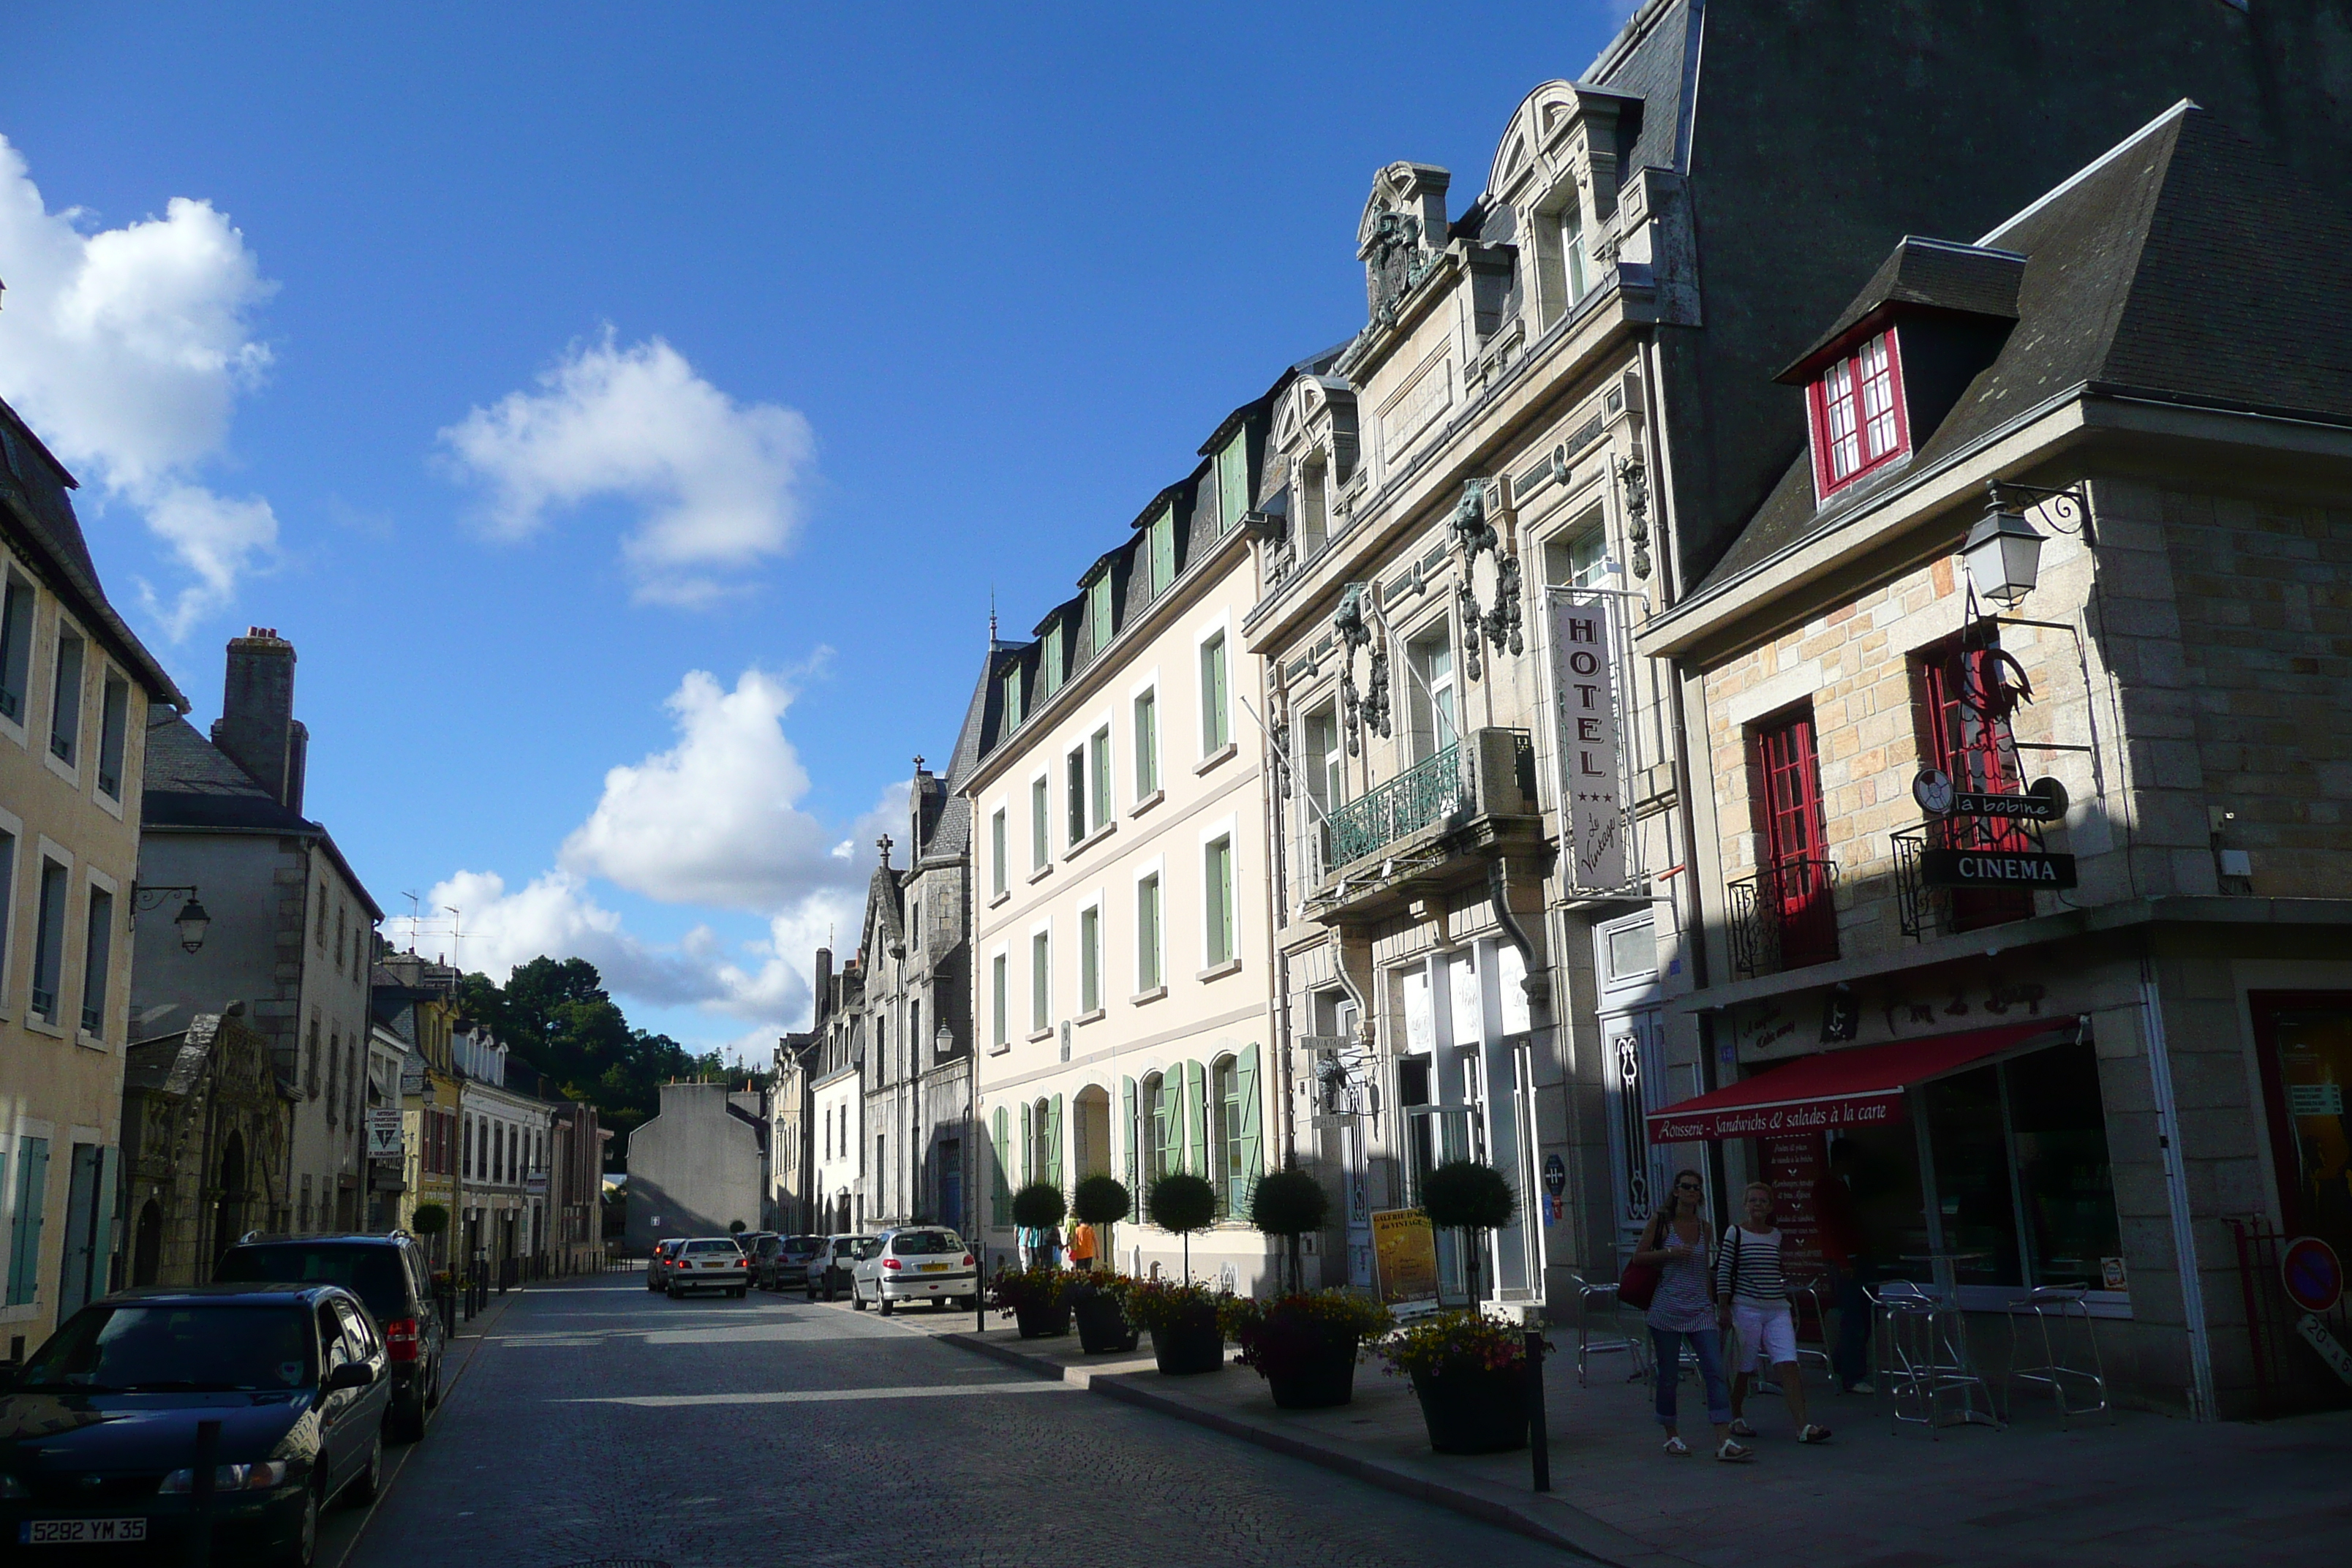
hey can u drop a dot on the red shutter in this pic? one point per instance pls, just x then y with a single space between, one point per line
1957 737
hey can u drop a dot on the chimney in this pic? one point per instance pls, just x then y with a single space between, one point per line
824 986
256 727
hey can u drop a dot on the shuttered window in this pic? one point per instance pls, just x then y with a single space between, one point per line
1795 887
1958 688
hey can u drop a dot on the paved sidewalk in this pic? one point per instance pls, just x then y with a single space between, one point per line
2145 1491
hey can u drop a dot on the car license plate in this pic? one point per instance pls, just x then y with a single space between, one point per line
79 1532
932 1267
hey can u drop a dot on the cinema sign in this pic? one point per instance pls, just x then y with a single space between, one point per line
1995 868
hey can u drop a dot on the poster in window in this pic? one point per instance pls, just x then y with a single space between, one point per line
1404 1250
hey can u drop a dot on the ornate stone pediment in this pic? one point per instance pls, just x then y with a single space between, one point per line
1401 231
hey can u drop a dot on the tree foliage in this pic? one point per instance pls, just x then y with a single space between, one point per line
1102 1200
1038 1204
555 1015
1181 1203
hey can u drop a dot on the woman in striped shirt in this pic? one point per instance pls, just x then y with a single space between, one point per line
1752 1295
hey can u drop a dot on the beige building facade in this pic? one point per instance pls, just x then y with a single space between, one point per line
75 691
1120 830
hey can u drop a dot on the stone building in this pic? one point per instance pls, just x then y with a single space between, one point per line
293 926
792 1123
696 1166
1550 429
836 1091
75 690
1121 802
414 1000
206 1123
2025 722
574 1237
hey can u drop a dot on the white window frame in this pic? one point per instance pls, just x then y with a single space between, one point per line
1202 637
94 877
1000 974
67 627
1000 847
1090 956
48 850
1225 828
1102 773
1151 786
1154 871
20 728
12 877
1041 823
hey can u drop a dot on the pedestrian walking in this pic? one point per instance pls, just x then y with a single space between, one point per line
1049 1247
1850 1270
1082 1247
1751 1297
1681 1312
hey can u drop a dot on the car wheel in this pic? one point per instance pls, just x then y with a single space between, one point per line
433 1395
737 1293
882 1301
812 1292
304 1549
856 1297
361 1488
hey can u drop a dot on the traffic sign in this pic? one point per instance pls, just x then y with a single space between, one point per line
2314 1275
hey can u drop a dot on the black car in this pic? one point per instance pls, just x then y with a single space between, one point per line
788 1265
387 1272
99 1429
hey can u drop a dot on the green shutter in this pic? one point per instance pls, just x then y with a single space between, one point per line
1135 1131
1001 1190
101 1235
1233 482
1168 1122
1196 1119
25 1239
1054 1144
1245 1134
1163 551
1028 1142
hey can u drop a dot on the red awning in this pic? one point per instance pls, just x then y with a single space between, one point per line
1862 1087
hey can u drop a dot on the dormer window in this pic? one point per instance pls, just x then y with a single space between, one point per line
1856 406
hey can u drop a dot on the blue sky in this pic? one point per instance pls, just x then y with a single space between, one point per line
627 413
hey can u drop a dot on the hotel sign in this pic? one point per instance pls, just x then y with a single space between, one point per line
1995 868
1592 772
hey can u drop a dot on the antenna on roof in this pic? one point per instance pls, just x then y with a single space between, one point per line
457 935
991 614
412 919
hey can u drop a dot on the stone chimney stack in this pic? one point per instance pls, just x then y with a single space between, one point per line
257 728
824 987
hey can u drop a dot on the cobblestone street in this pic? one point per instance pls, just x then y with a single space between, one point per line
600 1421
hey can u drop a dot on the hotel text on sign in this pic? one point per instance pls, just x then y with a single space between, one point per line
1584 700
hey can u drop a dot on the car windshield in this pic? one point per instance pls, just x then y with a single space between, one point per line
132 1349
805 1243
721 1245
370 1272
909 1243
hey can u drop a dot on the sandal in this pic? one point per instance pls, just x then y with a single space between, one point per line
1677 1448
1814 1435
1740 1428
1734 1453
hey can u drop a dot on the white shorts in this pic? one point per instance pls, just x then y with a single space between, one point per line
1768 1335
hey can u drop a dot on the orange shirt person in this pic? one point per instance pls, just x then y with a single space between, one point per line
1082 1245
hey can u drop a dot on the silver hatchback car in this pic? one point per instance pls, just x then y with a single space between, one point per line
914 1263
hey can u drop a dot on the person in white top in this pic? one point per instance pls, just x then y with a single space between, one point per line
1752 1295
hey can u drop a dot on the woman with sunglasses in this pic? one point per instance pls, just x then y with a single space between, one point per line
1683 1311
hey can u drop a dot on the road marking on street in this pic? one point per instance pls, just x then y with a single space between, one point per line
820 1395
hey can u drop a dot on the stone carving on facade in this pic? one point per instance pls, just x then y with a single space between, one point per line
1502 625
1367 709
1635 479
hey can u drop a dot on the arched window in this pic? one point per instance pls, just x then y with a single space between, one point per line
1233 1141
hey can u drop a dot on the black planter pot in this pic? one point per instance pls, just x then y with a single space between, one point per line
1193 1343
1318 1380
1102 1323
1043 1322
1473 1412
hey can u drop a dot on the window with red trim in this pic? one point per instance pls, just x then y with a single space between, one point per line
1793 873
1858 419
1957 684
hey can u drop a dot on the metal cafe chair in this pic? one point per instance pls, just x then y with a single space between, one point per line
1811 1291
1613 1335
2052 1307
1925 1360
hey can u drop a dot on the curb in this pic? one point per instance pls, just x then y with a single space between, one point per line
1547 1520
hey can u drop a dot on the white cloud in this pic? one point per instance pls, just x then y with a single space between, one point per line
127 349
715 481
716 819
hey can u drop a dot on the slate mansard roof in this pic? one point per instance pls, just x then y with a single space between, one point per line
2184 267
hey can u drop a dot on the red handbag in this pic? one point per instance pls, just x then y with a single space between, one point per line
1638 1285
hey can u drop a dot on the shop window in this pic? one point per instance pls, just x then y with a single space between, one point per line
2304 1044
1792 893
1956 707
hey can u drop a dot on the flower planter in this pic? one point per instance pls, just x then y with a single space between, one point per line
1102 1323
1191 1343
1474 1411
1315 1377
1043 1322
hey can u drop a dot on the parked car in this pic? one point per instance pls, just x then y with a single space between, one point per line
99 1424
387 1272
658 1262
787 1264
914 1263
751 1241
709 1263
828 1269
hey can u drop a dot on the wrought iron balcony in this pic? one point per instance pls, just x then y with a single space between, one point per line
1784 917
1428 792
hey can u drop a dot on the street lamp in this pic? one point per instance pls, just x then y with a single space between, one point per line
191 921
2003 555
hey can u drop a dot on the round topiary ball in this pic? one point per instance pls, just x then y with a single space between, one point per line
1181 1202
1289 1203
1463 1195
429 1219
1101 1200
1039 1204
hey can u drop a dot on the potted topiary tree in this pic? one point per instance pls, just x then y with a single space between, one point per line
1039 1207
1465 1196
1470 1373
1288 1204
428 1219
1185 1336
1304 1343
1101 1202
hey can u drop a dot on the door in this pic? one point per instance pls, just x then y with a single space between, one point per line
1632 1020
1792 889
82 1279
2304 1043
